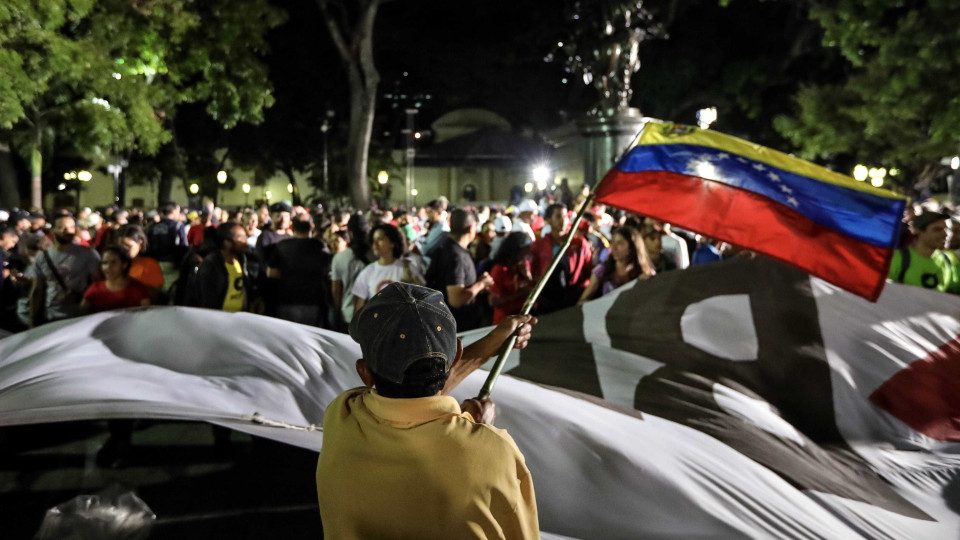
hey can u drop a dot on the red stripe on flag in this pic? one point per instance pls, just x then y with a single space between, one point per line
924 395
751 221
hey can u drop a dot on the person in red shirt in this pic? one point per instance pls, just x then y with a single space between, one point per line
572 274
195 234
118 290
512 276
106 232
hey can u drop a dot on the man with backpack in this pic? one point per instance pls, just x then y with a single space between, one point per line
927 263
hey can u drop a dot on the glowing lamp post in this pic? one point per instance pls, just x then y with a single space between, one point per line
246 192
706 117
540 175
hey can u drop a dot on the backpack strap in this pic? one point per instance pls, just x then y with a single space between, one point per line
56 273
904 263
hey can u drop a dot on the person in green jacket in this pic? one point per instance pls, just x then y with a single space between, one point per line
927 263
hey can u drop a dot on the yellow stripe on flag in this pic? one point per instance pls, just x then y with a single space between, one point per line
669 133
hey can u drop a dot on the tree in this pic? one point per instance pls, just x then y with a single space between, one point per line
109 75
897 104
351 25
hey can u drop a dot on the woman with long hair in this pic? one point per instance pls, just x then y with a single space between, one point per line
118 290
144 269
512 275
628 261
389 245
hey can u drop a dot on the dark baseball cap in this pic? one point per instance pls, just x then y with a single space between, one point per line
401 324
280 207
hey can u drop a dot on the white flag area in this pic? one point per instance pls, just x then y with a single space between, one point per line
737 399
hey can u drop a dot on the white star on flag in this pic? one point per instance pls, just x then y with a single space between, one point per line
705 157
774 176
792 201
723 155
759 166
785 189
741 160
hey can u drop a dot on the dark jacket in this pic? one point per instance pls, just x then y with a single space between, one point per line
211 282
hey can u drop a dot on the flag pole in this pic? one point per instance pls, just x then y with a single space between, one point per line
507 346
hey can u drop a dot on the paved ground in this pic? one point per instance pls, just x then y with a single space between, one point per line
260 489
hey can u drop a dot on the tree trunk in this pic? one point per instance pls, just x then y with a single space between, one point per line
297 200
354 42
36 171
9 194
362 107
164 188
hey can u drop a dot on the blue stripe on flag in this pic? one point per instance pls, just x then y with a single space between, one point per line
858 214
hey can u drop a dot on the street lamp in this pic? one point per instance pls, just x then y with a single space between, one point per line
289 188
877 175
383 177
706 117
84 176
194 188
410 153
540 176
325 128
268 195
860 172
246 191
222 177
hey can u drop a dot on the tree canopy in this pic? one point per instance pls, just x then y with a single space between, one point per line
899 101
107 75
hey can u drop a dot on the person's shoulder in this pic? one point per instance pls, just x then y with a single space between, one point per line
341 405
138 287
98 287
487 440
951 256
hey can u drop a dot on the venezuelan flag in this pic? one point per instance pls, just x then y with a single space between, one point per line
825 223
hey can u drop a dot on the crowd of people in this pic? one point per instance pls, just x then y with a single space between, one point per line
319 267
424 274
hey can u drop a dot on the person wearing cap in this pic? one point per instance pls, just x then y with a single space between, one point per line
347 265
503 226
524 223
927 263
400 457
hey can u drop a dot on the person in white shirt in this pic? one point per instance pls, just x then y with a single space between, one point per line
528 212
389 245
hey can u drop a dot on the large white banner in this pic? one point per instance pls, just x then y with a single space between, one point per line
739 399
